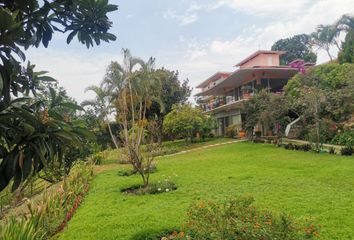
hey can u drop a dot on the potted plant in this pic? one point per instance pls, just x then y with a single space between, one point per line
246 91
241 133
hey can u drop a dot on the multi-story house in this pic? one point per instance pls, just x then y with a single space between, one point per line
223 94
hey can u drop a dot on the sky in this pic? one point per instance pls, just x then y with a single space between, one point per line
197 38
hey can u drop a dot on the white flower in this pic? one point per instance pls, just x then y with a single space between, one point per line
167 190
159 189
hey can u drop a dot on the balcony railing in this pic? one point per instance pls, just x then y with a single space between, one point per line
227 100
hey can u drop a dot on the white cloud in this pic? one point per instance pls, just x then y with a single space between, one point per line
321 12
73 72
184 19
263 7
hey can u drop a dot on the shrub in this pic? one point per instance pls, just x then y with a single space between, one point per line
289 146
347 151
50 213
232 131
97 158
345 139
237 218
258 140
306 147
162 186
297 147
19 230
331 150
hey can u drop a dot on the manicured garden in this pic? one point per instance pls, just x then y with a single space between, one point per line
303 184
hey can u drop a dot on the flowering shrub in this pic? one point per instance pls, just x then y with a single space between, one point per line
165 185
237 218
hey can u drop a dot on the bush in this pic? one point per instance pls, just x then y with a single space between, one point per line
345 139
258 140
306 147
49 214
303 147
237 218
347 151
331 150
97 158
17 230
289 146
232 131
163 186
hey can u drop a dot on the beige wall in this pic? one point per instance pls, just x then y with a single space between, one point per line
263 59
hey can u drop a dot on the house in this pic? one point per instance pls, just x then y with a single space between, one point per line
223 94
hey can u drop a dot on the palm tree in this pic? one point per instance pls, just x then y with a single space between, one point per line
103 104
134 86
345 23
324 37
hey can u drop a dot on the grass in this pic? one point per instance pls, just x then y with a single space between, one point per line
303 184
168 147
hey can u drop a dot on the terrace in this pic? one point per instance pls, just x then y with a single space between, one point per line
243 84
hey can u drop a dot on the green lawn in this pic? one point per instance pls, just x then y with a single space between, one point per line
320 186
168 147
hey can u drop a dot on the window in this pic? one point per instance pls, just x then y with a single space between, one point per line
270 61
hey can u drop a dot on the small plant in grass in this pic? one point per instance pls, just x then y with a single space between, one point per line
238 218
162 186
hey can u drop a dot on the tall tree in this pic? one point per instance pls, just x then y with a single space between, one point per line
296 47
174 92
346 24
138 88
324 37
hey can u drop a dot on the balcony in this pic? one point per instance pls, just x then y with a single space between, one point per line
227 103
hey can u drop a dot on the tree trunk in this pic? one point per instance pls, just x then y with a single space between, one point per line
112 136
329 55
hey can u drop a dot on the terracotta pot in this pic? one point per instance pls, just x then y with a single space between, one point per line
269 133
246 96
242 134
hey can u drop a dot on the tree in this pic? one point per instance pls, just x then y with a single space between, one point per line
186 121
31 136
103 104
173 91
324 94
346 24
324 37
266 109
347 54
139 88
296 47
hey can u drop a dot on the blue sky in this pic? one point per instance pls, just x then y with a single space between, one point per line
197 38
